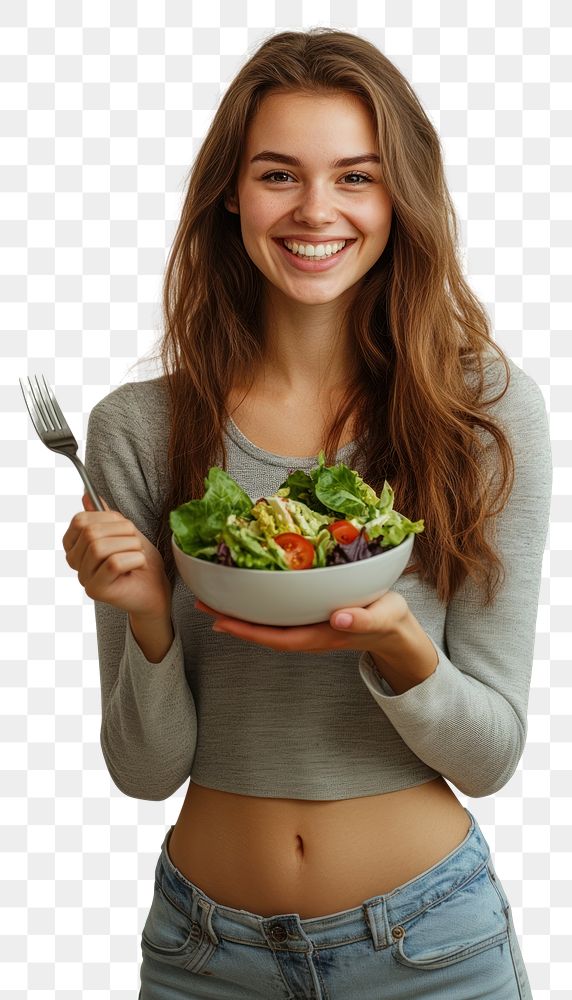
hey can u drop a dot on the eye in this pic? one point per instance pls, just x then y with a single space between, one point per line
274 174
361 177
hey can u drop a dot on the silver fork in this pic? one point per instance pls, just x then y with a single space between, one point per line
52 428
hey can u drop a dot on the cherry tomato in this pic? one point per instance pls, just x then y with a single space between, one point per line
344 532
299 551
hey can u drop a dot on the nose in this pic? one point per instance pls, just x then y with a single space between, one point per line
315 206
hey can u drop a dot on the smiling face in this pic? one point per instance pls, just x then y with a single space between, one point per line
309 175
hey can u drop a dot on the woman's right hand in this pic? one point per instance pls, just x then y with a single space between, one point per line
116 563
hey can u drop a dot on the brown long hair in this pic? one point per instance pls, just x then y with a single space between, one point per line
420 334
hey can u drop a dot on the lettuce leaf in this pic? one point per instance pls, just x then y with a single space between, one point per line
300 486
197 525
249 550
337 489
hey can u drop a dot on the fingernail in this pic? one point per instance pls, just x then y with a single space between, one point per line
344 620
218 628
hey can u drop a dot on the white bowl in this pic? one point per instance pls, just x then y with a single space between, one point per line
291 597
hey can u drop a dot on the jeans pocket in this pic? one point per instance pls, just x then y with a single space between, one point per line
169 935
468 920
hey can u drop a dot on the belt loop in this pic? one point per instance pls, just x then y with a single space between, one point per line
208 910
376 916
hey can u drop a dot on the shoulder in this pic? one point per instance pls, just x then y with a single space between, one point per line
517 405
126 448
512 397
135 411
132 422
134 402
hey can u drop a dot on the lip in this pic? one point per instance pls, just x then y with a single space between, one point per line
313 263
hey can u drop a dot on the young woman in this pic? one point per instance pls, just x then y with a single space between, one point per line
314 298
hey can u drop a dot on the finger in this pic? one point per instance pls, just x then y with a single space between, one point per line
87 543
263 634
306 638
381 615
89 558
353 620
114 567
204 607
93 521
88 503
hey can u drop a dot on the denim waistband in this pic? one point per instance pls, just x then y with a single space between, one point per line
379 916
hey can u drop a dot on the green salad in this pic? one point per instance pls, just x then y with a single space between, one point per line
326 517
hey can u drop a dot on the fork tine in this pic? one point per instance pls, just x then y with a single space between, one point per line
41 404
45 415
55 405
35 415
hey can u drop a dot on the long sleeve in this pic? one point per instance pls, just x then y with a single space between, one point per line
468 720
149 724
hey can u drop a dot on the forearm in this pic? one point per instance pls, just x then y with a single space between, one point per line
463 729
149 724
154 636
405 656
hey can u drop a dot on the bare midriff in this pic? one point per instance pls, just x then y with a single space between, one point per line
274 856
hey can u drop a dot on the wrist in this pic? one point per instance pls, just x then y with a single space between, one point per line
157 611
149 618
153 634
404 656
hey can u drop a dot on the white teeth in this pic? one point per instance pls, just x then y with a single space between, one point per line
314 250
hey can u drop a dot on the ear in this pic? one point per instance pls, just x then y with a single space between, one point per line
231 203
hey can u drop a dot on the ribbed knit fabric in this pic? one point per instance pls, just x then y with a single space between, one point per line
239 717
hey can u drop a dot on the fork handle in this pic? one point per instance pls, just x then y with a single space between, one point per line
87 482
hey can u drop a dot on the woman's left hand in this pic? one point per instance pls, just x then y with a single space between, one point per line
347 628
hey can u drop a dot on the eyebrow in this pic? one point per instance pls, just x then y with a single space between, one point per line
293 161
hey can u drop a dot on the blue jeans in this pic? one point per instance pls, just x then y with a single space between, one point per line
446 933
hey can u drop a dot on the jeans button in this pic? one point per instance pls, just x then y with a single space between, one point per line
397 932
278 932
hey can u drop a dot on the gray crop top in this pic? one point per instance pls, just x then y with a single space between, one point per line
238 717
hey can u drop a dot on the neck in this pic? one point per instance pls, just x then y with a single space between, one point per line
307 348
